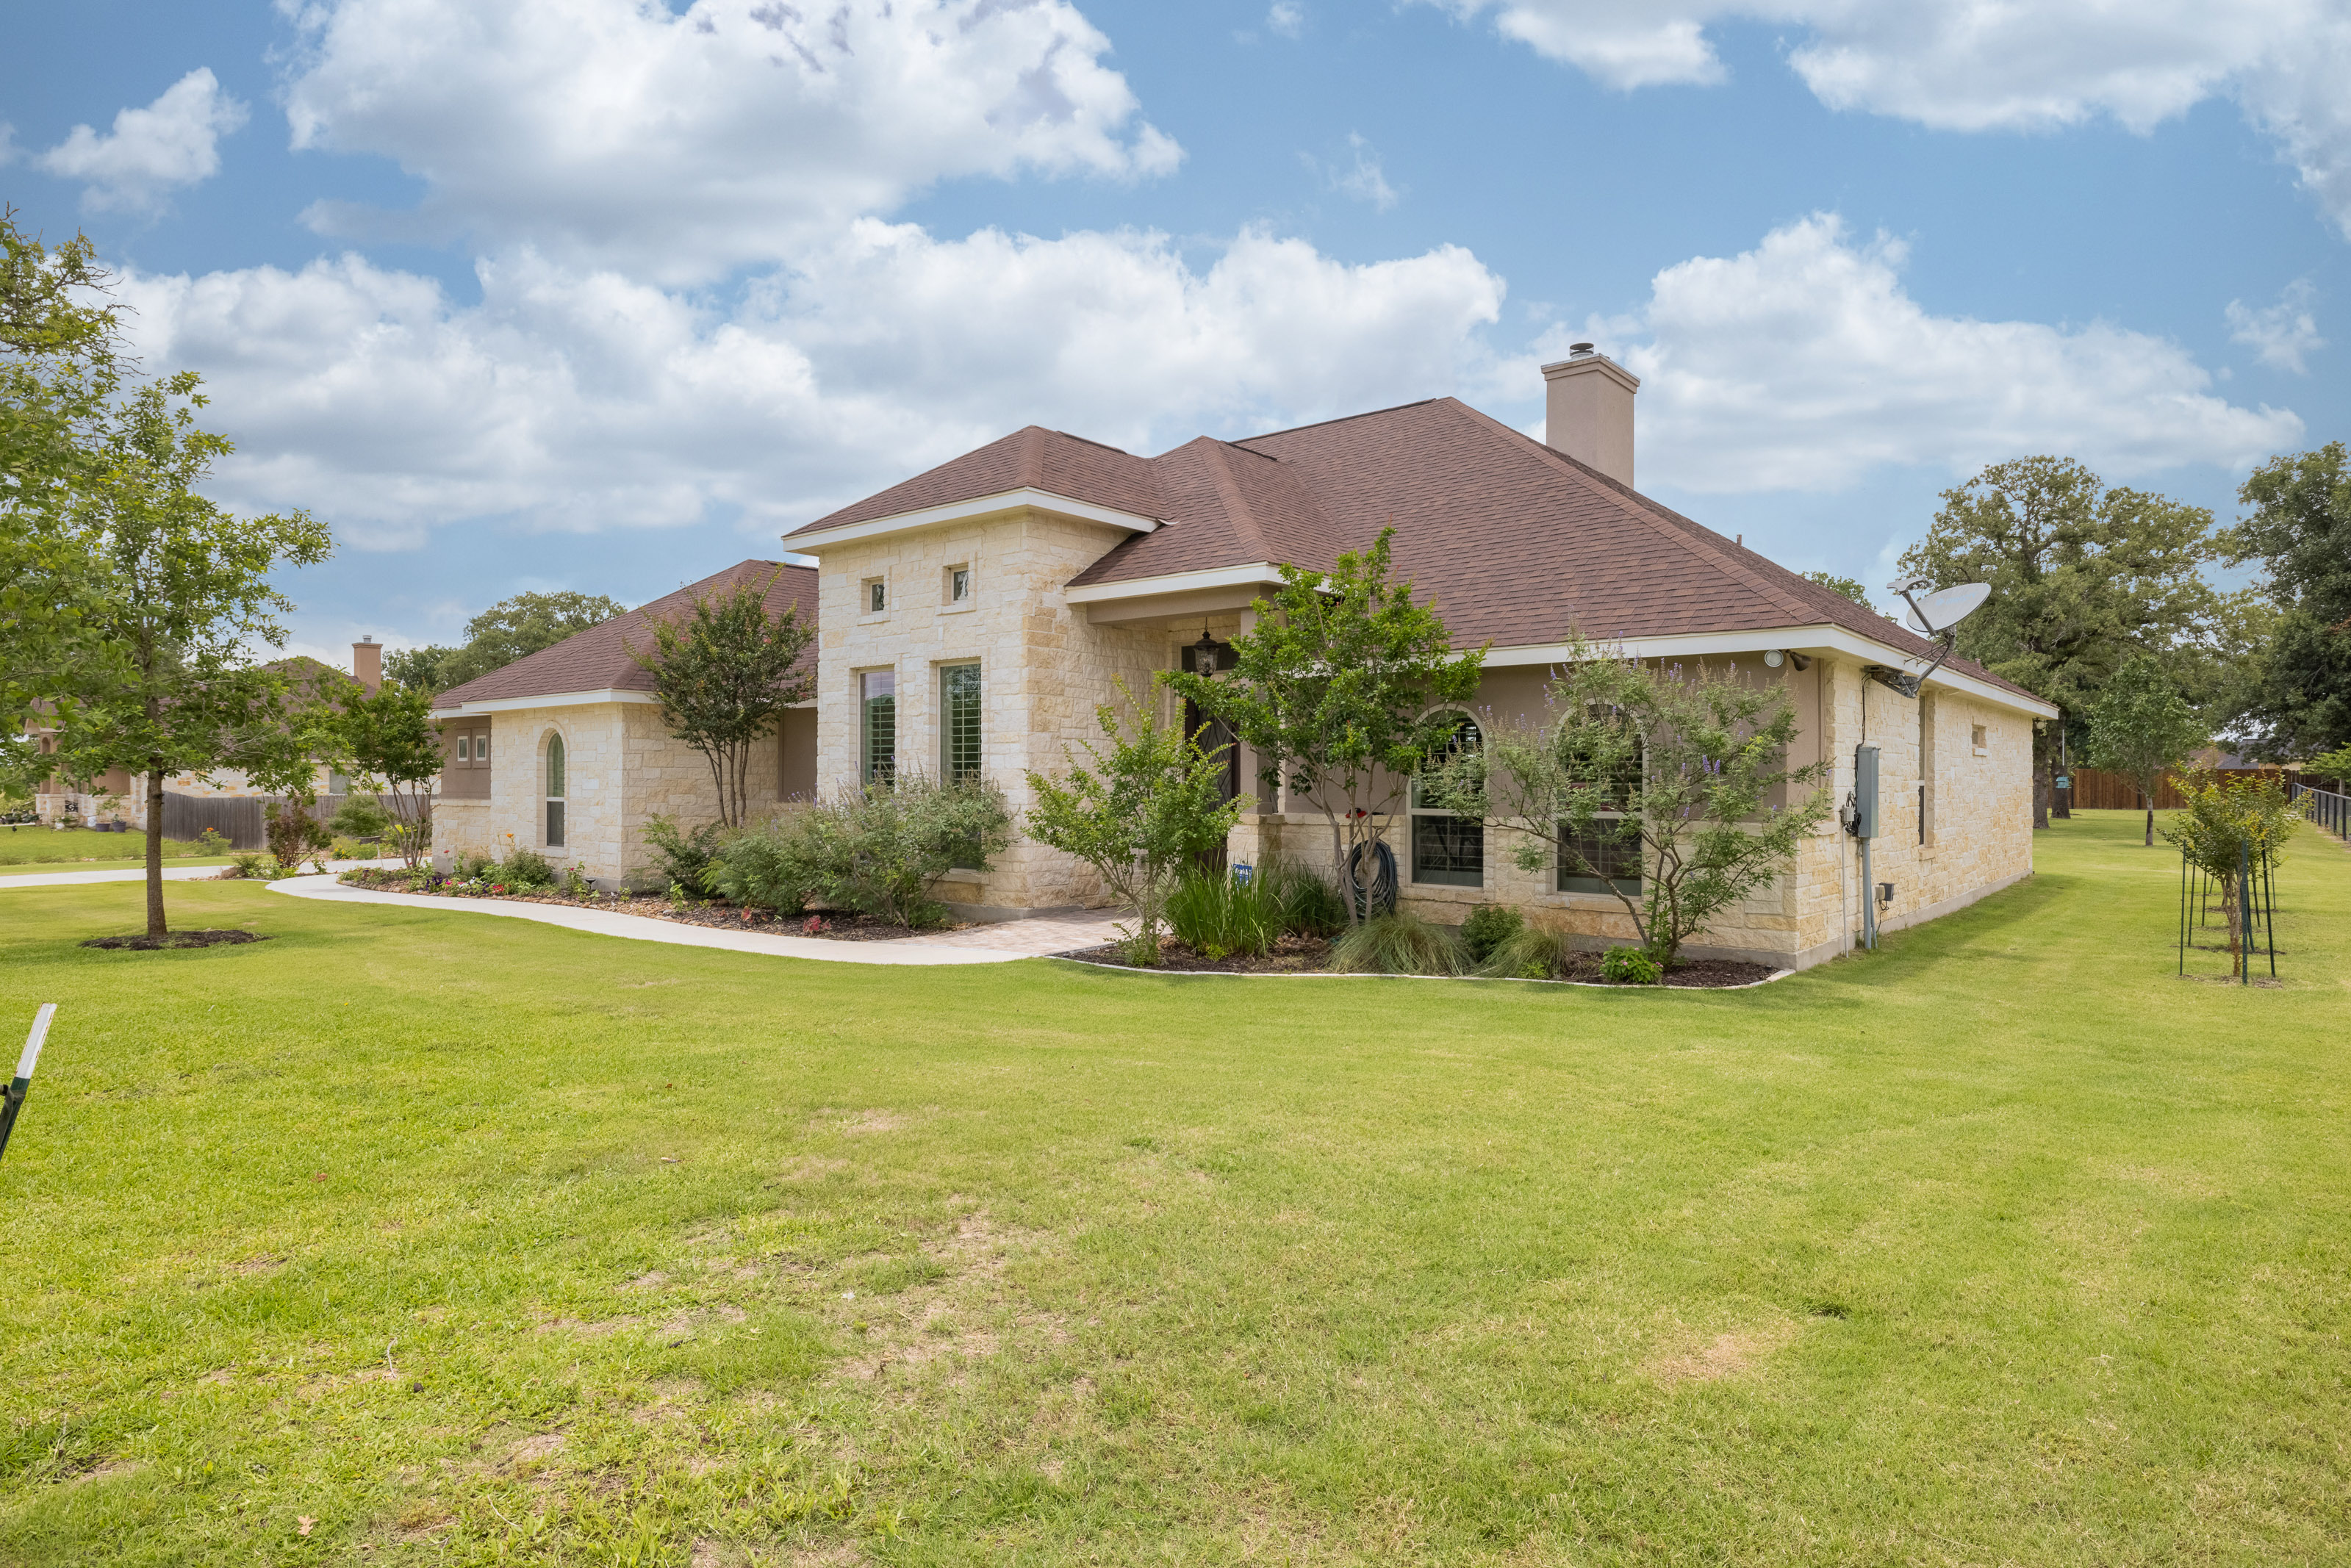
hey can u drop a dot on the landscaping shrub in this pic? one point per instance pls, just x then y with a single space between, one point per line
684 858
210 843
250 865
1219 917
1310 906
360 816
524 869
773 865
1529 953
882 849
1401 942
1630 966
1489 927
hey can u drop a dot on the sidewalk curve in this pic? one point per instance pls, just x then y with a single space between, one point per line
1038 936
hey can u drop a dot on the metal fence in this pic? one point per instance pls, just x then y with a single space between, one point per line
2324 807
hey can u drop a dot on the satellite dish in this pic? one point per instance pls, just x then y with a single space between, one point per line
1936 612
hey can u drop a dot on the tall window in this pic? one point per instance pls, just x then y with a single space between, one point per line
960 723
958 585
1611 846
1449 851
878 701
555 792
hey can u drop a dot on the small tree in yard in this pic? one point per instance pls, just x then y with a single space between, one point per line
2141 727
1652 782
391 740
1340 690
1150 804
181 591
725 673
2226 828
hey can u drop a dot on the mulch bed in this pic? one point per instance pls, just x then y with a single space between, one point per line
145 943
827 925
1311 955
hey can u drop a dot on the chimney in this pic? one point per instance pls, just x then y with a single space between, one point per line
367 663
1588 398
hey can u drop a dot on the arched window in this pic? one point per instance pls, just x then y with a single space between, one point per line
1447 850
555 792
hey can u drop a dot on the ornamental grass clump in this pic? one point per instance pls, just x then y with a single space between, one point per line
1401 942
1219 917
1310 906
1529 953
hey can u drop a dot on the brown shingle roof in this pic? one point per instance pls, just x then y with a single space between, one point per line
1033 457
598 659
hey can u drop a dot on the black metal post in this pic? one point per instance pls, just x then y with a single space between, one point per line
2183 912
2269 908
2242 936
14 1101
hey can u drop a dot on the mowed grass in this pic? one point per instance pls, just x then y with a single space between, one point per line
454 1240
25 847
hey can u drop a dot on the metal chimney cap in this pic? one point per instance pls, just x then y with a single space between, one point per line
1577 351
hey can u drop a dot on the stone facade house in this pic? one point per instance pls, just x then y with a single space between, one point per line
972 617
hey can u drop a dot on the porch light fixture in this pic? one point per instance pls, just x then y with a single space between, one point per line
1203 652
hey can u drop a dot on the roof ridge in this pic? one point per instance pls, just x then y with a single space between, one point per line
1317 424
1639 507
1237 507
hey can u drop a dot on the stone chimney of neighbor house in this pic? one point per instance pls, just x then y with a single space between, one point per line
1588 398
367 663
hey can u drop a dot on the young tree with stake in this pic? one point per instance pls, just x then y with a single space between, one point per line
2141 727
391 740
1340 690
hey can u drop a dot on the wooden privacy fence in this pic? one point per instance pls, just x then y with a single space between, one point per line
242 819
2094 790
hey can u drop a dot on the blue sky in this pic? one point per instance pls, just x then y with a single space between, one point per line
591 295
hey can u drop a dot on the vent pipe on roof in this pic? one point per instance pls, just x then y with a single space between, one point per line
1588 399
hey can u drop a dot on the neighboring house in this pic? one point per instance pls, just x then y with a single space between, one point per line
973 617
564 752
120 796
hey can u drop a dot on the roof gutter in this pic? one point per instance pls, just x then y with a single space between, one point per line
810 540
1823 637
550 699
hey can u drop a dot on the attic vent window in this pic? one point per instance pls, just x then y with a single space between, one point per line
959 584
877 596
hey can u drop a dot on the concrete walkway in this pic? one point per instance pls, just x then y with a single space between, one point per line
1037 936
171 873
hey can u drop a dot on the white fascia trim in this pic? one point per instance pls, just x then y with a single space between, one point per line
554 699
1820 638
1174 582
960 511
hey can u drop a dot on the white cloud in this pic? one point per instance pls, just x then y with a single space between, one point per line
1364 182
613 134
2280 335
1967 66
1286 18
1803 364
578 400
174 140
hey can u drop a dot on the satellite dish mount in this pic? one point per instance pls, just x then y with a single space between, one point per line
1937 615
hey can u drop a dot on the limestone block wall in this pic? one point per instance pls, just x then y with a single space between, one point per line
1043 667
621 768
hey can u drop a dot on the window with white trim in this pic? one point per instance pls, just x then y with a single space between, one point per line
876 595
1449 851
958 585
555 792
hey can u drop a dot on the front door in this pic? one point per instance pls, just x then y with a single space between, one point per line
1216 734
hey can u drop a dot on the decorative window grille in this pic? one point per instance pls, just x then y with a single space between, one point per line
878 695
960 723
1449 851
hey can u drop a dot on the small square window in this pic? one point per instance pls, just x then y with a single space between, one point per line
1978 740
877 596
959 584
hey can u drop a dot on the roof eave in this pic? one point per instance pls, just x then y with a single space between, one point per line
810 540
1818 637
443 708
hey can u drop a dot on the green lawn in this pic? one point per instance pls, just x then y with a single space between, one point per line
25 848
475 1242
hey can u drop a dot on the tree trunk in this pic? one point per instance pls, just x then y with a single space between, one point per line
2151 821
1340 875
2043 788
155 926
